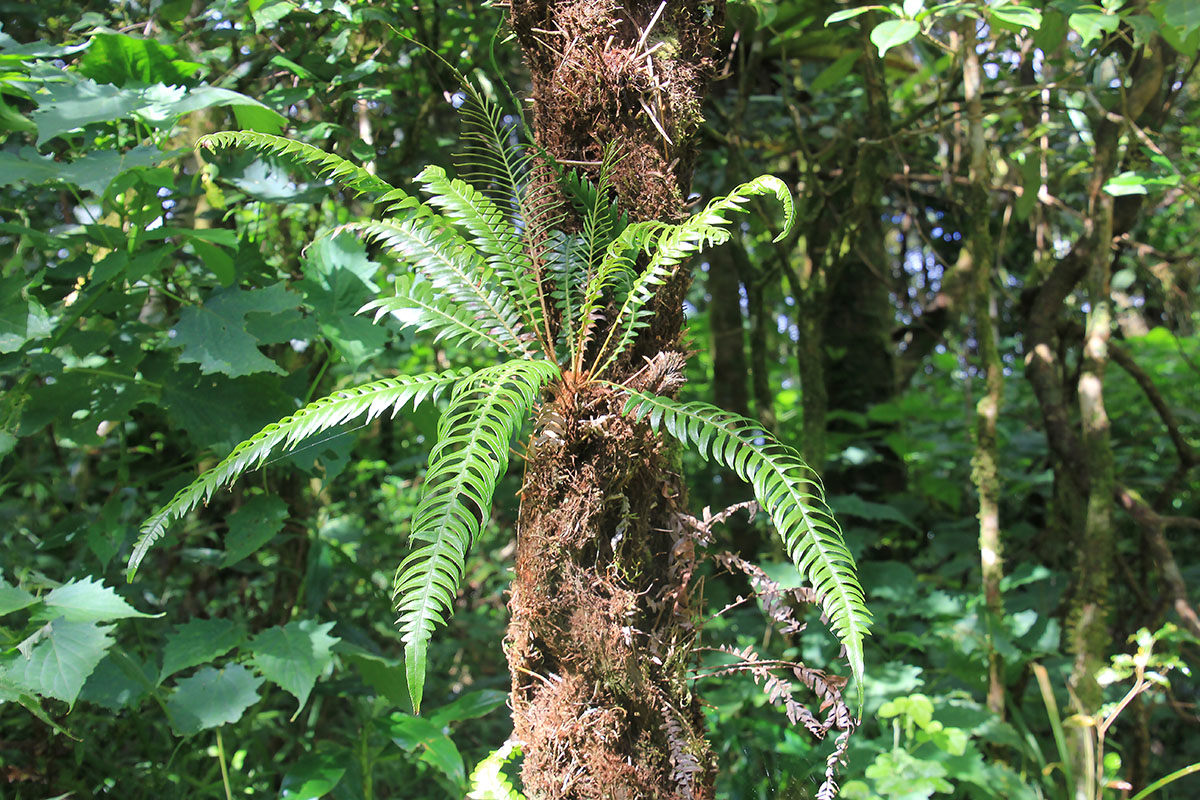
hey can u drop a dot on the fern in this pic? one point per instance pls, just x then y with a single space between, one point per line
455 269
788 490
488 781
368 400
494 237
668 247
417 304
326 165
471 454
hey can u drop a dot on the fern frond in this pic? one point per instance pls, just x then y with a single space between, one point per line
454 269
488 781
368 400
616 269
456 499
603 222
493 235
418 305
789 491
565 266
670 247
326 165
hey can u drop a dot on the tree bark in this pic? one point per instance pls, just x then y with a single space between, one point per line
602 625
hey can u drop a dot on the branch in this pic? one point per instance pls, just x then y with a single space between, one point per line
1153 526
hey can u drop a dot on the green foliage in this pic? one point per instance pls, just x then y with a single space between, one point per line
367 401
471 454
788 490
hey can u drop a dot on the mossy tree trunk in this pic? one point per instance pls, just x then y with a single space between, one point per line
602 622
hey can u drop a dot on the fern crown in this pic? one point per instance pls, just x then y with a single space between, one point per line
492 271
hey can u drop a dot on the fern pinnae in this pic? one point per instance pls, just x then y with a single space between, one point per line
470 456
368 400
494 237
791 494
326 165
417 305
453 268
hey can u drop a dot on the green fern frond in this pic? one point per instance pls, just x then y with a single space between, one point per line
565 265
418 305
471 454
616 269
326 165
603 222
669 247
368 400
455 270
488 781
493 235
789 491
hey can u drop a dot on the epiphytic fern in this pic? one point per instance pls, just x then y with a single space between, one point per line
480 265
367 401
789 491
488 781
326 165
494 235
668 246
456 499
457 271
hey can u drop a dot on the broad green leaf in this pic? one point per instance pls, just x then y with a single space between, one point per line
411 733
86 600
312 776
1018 15
254 524
338 280
119 59
851 13
72 105
214 335
198 642
22 319
92 172
893 33
836 72
470 706
386 676
119 681
1091 23
267 12
211 698
1131 182
294 655
1183 14
855 506
197 403
13 598
61 661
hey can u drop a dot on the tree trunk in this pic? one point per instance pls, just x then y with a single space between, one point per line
602 626
985 471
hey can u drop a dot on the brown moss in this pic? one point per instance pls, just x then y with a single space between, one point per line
601 625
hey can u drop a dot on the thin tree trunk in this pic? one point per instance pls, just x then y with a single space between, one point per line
602 626
985 464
